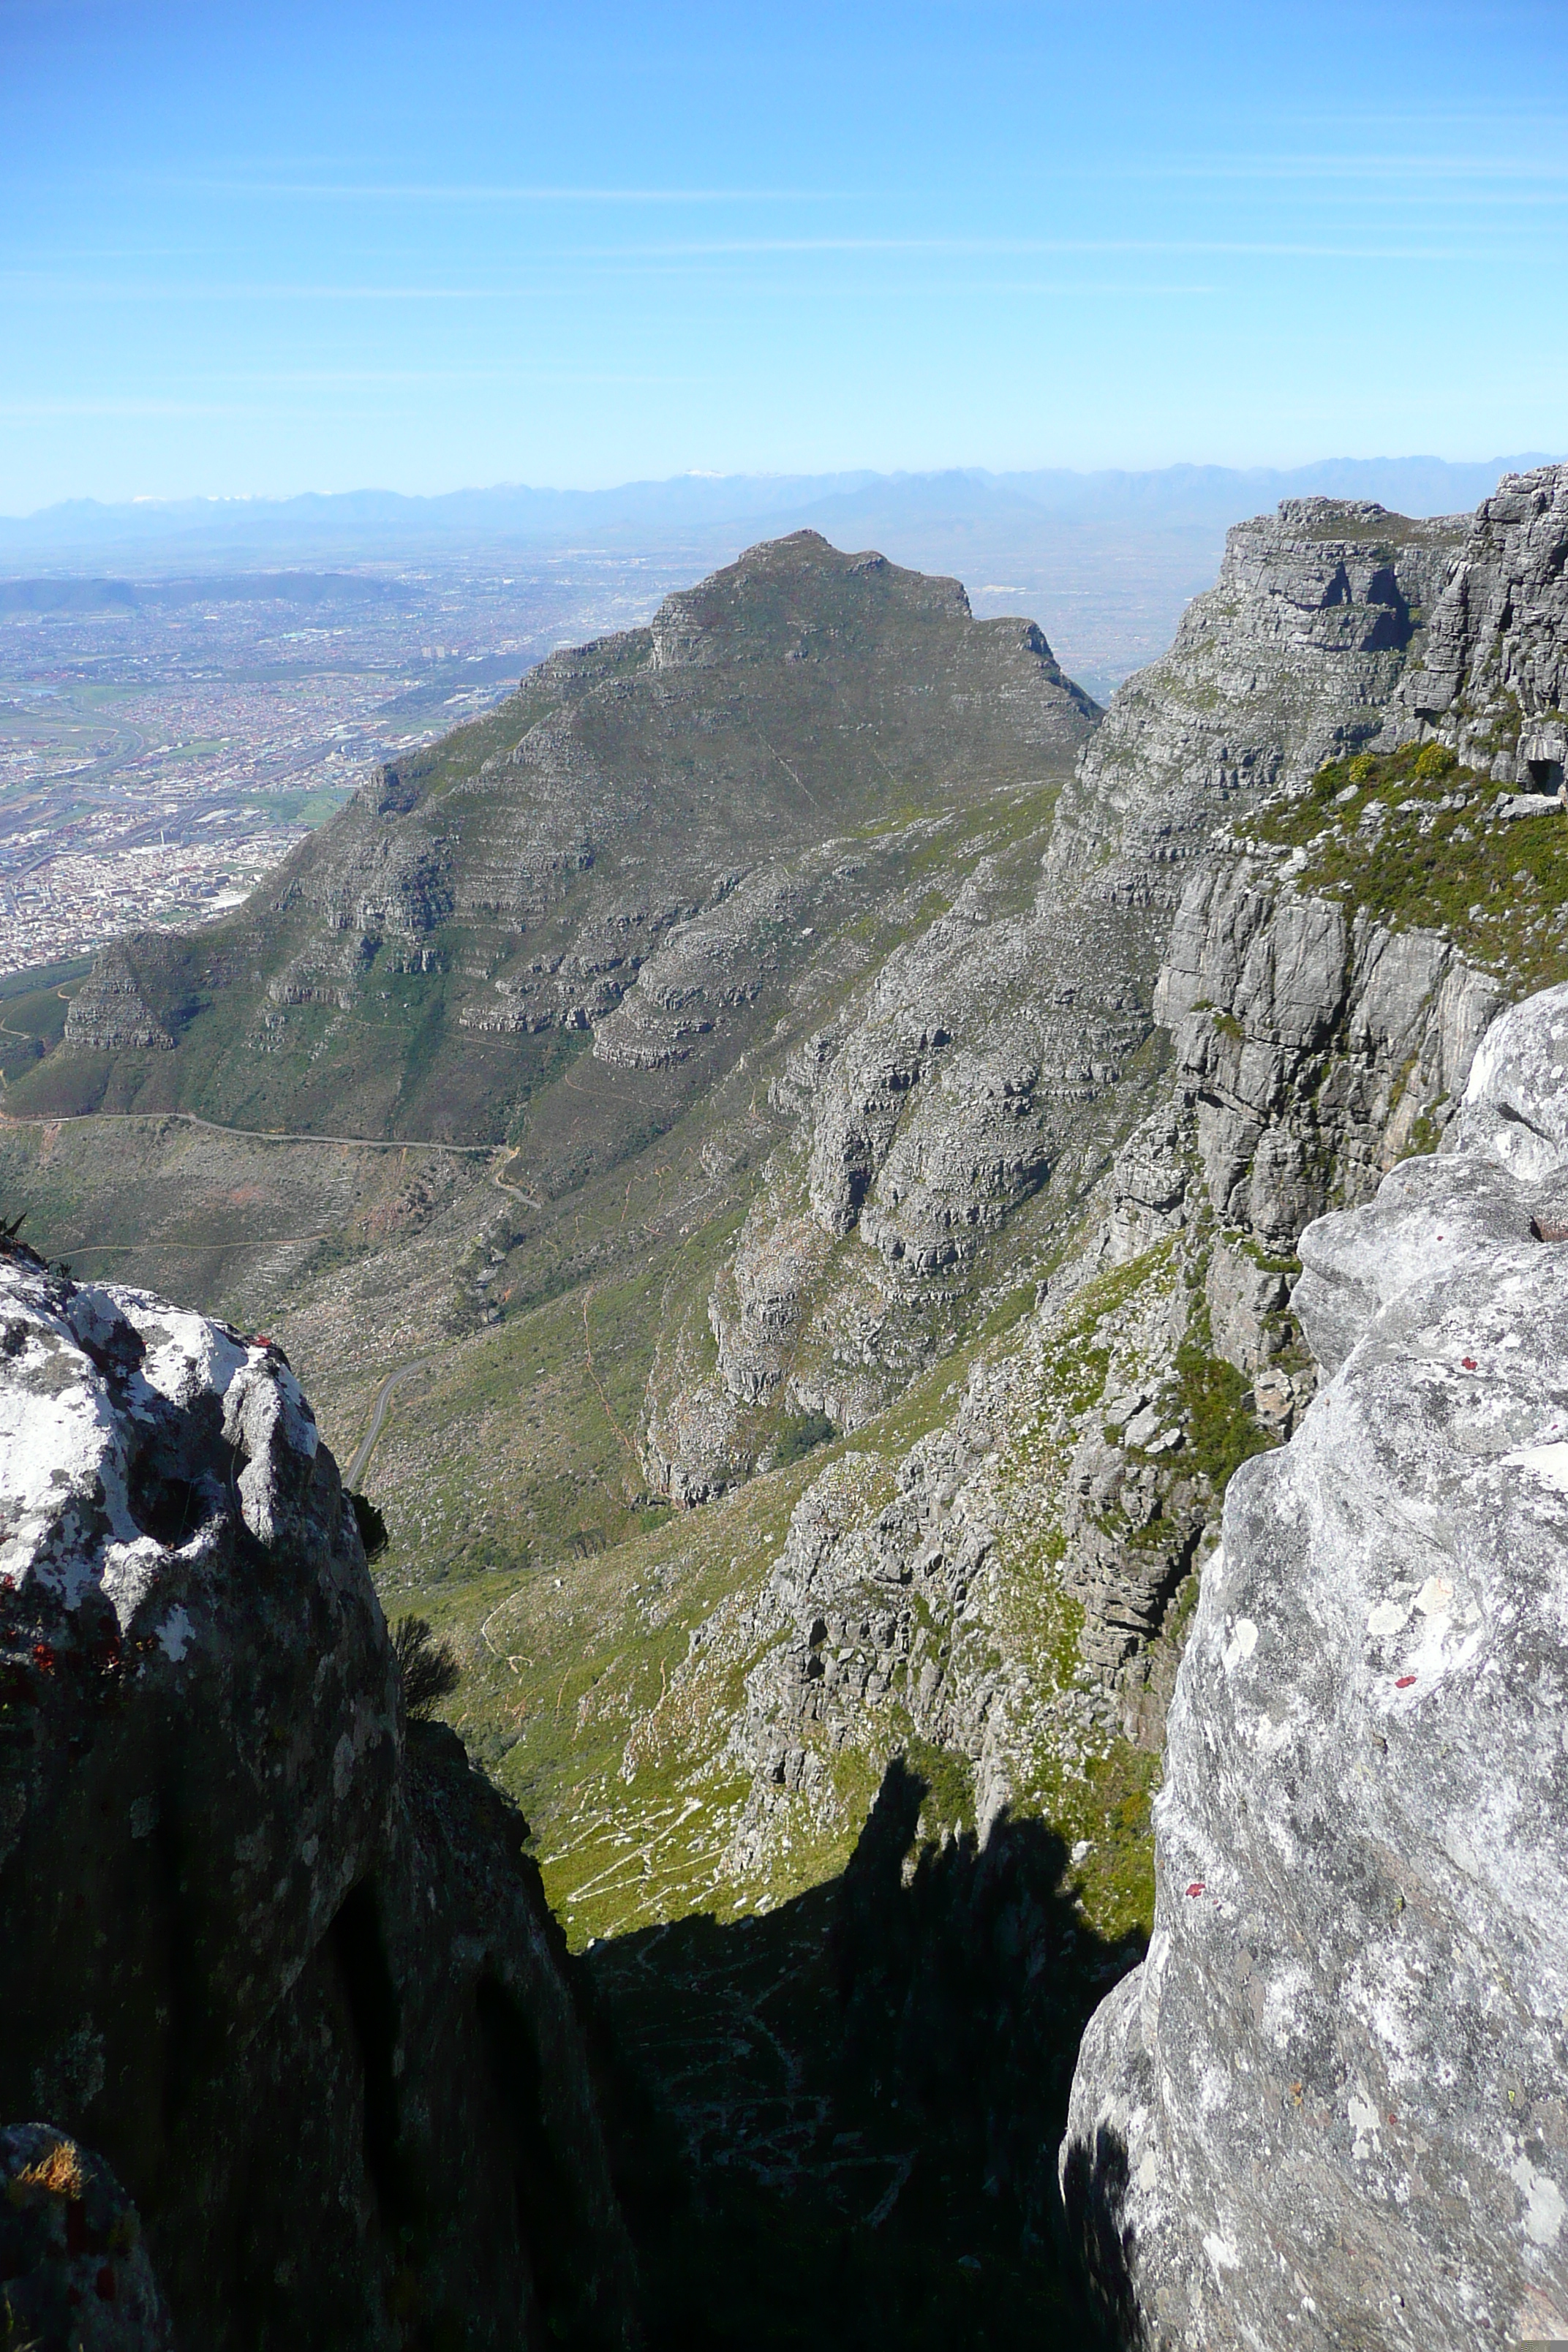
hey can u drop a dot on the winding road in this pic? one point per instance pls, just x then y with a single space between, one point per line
366 1446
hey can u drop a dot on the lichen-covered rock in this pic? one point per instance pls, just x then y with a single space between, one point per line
1328 2108
274 1951
74 2272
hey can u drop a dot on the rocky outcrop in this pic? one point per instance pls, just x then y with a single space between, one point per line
1495 675
270 1948
1290 659
107 1013
73 2268
1312 1037
1327 2109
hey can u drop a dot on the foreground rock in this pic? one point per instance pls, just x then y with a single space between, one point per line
1327 2110
271 1949
74 2268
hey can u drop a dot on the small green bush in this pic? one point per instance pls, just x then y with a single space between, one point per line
799 1435
371 1525
1435 760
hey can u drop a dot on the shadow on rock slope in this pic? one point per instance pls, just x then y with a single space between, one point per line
861 2095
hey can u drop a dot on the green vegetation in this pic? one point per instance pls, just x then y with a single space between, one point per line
1222 1432
1406 836
797 1436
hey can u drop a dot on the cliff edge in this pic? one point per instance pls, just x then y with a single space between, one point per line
270 1948
1327 2108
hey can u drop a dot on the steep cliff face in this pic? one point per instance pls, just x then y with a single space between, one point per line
1289 660
1327 2108
1341 949
998 1058
1312 1037
1495 671
270 1949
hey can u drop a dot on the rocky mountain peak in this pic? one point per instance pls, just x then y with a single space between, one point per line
522 879
796 599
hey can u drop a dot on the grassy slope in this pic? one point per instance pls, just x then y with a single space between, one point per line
1499 893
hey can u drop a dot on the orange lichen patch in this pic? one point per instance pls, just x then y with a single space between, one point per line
58 2173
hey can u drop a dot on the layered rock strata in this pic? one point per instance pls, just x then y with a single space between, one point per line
995 1056
1494 675
1327 2109
1290 659
269 1948
1311 1038
631 845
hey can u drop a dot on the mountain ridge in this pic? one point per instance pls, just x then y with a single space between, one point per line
821 1491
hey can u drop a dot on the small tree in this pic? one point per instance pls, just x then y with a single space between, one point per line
429 1668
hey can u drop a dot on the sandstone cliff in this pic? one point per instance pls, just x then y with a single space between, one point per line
1492 681
270 1949
1327 2107
996 1060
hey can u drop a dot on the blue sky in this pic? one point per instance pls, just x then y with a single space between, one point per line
254 250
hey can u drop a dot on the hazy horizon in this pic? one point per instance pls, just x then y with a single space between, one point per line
845 478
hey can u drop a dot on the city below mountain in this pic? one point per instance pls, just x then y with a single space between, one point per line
648 1403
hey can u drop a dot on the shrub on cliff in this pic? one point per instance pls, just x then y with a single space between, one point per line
429 1668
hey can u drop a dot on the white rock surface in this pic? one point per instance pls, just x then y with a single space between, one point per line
1328 2109
127 1429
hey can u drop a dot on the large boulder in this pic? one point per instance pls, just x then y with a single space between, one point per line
270 1949
1328 2109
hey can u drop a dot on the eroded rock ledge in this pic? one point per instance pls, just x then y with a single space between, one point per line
269 1949
1328 2108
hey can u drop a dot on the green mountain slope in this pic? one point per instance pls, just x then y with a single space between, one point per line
435 959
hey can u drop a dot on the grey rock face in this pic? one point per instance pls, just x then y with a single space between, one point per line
1327 2109
994 1057
1290 659
1311 1037
1495 674
271 1949
108 1014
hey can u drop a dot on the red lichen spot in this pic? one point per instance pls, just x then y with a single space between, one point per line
1405 1682
43 1657
104 2282
1196 1887
1468 1363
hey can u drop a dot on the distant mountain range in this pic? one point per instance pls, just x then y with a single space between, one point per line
1106 562
368 524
